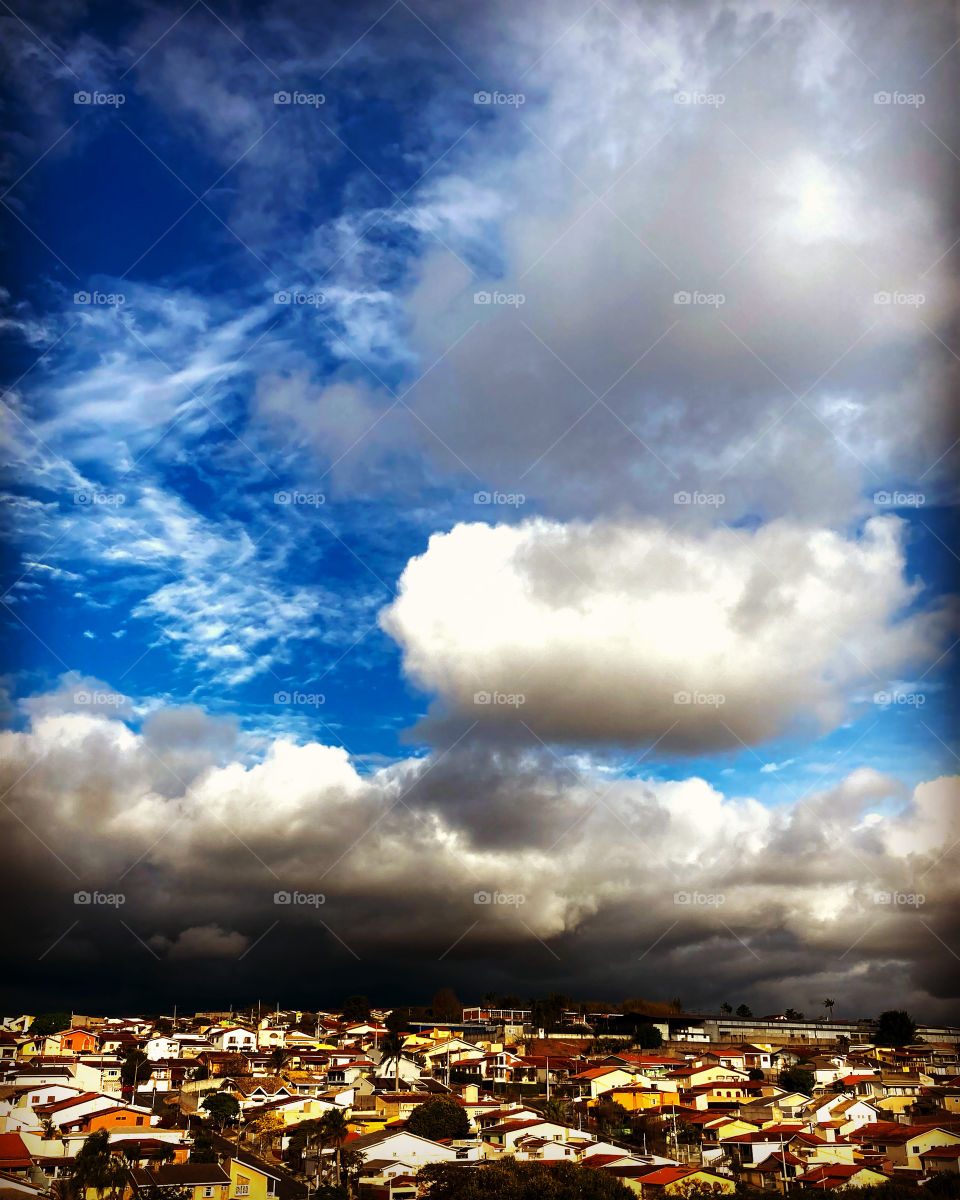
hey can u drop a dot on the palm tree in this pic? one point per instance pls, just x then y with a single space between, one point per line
335 1130
392 1052
829 1005
279 1058
555 1110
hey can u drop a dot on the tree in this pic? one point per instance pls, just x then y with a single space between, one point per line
279 1058
398 1020
796 1079
95 1167
828 1005
132 1072
744 1012
508 1179
236 1064
895 1028
355 1008
222 1108
792 1015
392 1052
754 1073
647 1037
445 1006
266 1128
163 1027
51 1022
335 1130
726 1008
203 1150
555 1110
439 1118
676 1004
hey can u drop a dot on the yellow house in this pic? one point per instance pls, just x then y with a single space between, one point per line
201 1181
634 1097
251 1178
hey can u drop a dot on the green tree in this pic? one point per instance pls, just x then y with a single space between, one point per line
95 1167
508 1179
439 1118
392 1048
445 1006
555 1110
222 1108
754 1073
203 1150
132 1070
797 1079
828 1005
355 1008
279 1057
744 1012
398 1020
51 1022
895 1028
726 1008
647 1037
792 1015
336 1131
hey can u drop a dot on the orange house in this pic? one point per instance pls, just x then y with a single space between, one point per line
78 1041
115 1118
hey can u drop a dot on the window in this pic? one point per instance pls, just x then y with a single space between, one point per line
208 1192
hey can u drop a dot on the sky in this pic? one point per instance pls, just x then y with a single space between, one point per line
480 503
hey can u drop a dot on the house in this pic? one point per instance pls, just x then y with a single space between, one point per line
828 1176
904 1145
15 1157
77 1041
941 1158
595 1081
679 1181
201 1181
233 1040
398 1145
251 1177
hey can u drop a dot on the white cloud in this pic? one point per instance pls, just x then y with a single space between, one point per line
628 631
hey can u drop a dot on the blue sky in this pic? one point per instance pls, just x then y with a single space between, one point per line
253 370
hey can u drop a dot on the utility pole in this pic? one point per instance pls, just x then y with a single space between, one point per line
548 1078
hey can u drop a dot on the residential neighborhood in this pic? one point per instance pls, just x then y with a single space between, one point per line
387 1104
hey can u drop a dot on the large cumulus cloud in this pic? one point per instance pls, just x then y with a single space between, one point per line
631 631
614 872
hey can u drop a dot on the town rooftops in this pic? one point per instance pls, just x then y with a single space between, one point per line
189 1174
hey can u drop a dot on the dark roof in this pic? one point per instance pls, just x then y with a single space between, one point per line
189 1174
